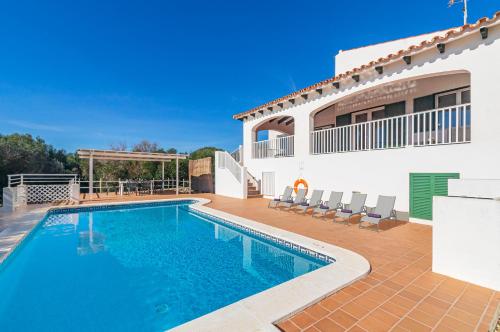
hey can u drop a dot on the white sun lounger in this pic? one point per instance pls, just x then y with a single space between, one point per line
383 211
334 203
312 203
287 195
356 207
300 198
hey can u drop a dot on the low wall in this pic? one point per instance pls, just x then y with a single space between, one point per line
226 183
466 237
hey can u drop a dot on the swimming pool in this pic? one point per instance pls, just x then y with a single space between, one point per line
142 267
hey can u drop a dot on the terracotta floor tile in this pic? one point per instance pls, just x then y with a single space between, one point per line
384 316
355 309
288 326
356 328
303 320
392 285
311 329
326 325
456 325
464 316
362 286
403 302
376 296
424 317
394 309
371 324
413 326
317 311
330 303
343 318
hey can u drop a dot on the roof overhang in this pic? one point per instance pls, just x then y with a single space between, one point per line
127 155
449 35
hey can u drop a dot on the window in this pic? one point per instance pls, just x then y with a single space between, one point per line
452 98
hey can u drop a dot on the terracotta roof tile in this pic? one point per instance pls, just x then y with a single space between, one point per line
452 33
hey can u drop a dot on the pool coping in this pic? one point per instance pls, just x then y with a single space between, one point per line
258 312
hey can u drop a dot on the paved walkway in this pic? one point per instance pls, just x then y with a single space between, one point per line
400 294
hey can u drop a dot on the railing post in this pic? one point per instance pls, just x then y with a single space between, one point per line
22 179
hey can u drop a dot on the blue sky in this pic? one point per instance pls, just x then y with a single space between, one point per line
90 74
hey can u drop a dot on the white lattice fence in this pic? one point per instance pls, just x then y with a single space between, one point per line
48 193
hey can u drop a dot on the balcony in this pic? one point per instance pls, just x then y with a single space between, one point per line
451 125
273 148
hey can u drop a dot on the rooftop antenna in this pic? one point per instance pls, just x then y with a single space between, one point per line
464 9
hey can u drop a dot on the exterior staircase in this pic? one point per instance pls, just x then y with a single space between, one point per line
252 191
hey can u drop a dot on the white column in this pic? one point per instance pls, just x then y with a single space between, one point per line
177 175
91 175
162 176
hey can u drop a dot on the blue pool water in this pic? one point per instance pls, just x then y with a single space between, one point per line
146 268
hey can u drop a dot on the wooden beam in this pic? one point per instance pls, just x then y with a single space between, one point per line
291 101
283 119
304 96
280 105
336 85
379 69
407 59
355 77
319 91
441 47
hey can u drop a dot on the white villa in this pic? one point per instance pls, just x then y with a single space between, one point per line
398 118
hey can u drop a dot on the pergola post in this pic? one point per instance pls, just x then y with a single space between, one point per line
162 176
177 175
91 175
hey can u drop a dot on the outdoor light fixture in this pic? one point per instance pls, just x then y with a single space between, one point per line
336 85
292 101
319 91
304 96
355 77
441 47
407 59
484 32
379 69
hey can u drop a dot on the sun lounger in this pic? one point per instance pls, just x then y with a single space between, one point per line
334 203
356 207
383 211
300 198
312 203
287 195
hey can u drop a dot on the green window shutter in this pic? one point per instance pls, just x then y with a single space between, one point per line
421 196
423 186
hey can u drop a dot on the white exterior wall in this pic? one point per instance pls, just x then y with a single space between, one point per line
466 240
387 171
226 183
346 60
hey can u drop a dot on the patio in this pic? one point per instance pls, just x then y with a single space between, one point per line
400 294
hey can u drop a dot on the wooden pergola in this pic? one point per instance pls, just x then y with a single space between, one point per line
92 154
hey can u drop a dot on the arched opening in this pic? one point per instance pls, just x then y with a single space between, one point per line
274 137
429 110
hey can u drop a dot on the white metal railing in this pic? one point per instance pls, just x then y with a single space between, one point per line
40 179
274 148
226 161
450 125
121 187
237 154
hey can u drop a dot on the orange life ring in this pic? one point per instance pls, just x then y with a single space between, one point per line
299 182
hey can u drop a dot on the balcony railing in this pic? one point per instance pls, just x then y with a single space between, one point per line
273 148
449 125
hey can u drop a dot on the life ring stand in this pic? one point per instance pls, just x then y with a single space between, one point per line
299 182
